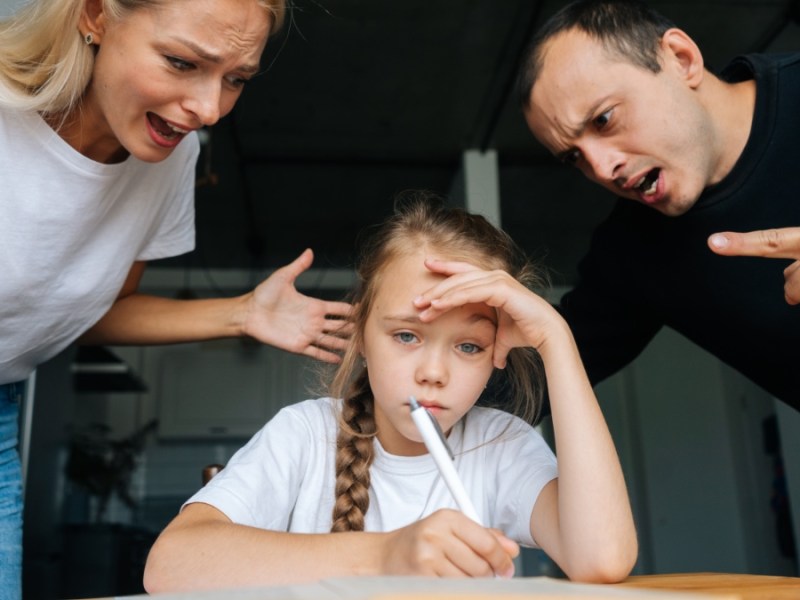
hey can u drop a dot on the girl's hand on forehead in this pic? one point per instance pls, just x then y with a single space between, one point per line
524 319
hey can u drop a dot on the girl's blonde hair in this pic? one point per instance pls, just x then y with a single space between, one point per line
419 221
45 65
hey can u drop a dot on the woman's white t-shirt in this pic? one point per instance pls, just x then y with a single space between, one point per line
70 230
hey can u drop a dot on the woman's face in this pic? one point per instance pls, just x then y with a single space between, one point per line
163 71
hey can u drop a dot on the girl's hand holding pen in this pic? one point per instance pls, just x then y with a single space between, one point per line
448 544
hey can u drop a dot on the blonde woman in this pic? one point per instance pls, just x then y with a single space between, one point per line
99 104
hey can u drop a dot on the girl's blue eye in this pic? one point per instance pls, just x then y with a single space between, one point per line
405 337
468 348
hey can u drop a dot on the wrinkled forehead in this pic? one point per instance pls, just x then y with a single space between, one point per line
567 62
577 74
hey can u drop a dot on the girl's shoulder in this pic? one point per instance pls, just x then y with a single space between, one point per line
314 411
492 423
485 415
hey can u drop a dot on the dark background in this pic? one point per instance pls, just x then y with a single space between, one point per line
362 99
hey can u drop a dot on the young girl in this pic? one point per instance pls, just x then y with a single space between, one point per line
334 487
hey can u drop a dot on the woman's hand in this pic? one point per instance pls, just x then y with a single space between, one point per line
448 544
279 315
524 319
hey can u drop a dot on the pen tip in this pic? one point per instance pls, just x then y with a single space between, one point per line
413 403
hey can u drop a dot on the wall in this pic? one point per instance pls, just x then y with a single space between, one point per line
689 431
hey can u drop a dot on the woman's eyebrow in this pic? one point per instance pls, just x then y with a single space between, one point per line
209 56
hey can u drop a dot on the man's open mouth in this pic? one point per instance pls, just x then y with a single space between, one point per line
648 184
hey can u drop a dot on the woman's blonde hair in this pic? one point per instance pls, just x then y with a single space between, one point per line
420 220
45 65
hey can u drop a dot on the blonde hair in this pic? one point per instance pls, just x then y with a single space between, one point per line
419 220
45 65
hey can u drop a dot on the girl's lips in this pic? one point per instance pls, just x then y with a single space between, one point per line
432 407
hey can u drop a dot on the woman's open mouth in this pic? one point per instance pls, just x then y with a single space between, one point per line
165 129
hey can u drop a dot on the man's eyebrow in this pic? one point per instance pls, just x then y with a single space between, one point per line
214 58
577 131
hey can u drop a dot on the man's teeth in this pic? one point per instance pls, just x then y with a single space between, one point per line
652 178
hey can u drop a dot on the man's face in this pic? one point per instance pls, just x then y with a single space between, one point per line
643 135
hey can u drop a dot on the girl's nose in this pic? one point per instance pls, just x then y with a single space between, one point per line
432 368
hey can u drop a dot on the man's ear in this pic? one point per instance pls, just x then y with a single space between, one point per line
682 55
93 20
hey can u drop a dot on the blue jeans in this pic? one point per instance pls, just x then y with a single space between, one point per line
10 493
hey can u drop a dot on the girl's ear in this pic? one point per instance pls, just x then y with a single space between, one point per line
93 20
682 55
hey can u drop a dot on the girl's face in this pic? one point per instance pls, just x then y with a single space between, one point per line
445 364
161 72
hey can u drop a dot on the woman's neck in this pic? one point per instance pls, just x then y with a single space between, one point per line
84 132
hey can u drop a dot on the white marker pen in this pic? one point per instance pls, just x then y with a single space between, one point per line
442 455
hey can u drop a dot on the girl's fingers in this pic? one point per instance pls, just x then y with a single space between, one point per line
440 289
485 555
448 267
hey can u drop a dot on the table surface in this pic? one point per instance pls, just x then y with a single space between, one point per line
679 586
741 587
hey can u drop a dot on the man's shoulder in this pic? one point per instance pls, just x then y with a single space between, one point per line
748 66
631 219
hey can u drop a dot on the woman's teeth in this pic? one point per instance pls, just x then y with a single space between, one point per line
175 131
165 128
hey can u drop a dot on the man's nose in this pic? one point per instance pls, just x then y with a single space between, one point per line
605 164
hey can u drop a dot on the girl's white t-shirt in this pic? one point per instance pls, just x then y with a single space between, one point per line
283 479
70 230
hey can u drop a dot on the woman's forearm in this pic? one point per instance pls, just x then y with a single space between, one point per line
140 319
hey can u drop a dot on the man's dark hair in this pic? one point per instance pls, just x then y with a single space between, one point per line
627 28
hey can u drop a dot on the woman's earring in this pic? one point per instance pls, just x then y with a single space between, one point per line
89 39
364 362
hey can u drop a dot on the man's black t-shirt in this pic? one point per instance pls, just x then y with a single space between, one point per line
645 270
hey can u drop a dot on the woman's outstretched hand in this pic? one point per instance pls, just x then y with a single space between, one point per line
278 315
